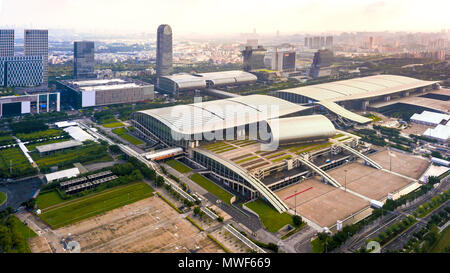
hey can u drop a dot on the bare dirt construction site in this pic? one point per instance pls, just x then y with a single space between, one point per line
39 244
149 225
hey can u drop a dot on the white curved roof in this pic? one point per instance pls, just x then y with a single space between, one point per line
301 128
213 115
358 88
198 81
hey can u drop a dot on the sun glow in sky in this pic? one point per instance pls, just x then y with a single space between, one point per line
229 16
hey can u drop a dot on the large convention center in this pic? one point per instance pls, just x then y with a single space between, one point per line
301 161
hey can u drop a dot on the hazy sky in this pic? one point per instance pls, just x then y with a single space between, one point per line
229 16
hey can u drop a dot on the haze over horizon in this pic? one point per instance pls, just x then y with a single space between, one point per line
227 17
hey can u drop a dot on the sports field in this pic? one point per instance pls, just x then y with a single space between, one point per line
270 218
78 209
211 187
177 165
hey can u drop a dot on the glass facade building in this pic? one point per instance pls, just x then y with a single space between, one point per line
6 42
164 51
21 71
36 44
84 60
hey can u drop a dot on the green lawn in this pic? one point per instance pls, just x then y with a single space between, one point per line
41 134
177 165
81 208
443 241
2 198
48 199
211 187
91 153
13 157
26 232
122 132
111 123
270 218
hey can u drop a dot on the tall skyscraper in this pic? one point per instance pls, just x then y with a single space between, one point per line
83 60
6 42
164 51
370 42
36 44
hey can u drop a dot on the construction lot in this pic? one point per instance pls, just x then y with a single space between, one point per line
149 225
323 204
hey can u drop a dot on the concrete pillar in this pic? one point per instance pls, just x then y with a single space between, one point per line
37 104
387 98
48 102
364 105
58 102
406 94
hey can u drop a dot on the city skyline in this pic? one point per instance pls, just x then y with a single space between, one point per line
214 17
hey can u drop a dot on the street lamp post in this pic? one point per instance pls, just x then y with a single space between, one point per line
295 203
345 172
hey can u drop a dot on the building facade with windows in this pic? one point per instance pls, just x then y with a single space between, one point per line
6 42
36 44
21 71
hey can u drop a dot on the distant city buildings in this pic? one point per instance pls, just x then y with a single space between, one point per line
84 60
319 42
164 51
36 44
6 42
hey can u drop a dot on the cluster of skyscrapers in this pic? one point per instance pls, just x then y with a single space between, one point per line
319 42
31 69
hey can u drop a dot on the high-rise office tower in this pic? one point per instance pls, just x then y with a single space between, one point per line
329 42
370 42
164 51
36 44
6 42
306 41
253 58
83 60
310 42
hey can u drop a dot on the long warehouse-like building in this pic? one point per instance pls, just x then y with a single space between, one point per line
174 84
358 93
89 93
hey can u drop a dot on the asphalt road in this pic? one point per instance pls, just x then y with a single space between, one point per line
19 192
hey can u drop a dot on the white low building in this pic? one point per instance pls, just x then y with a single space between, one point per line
69 173
440 133
430 118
